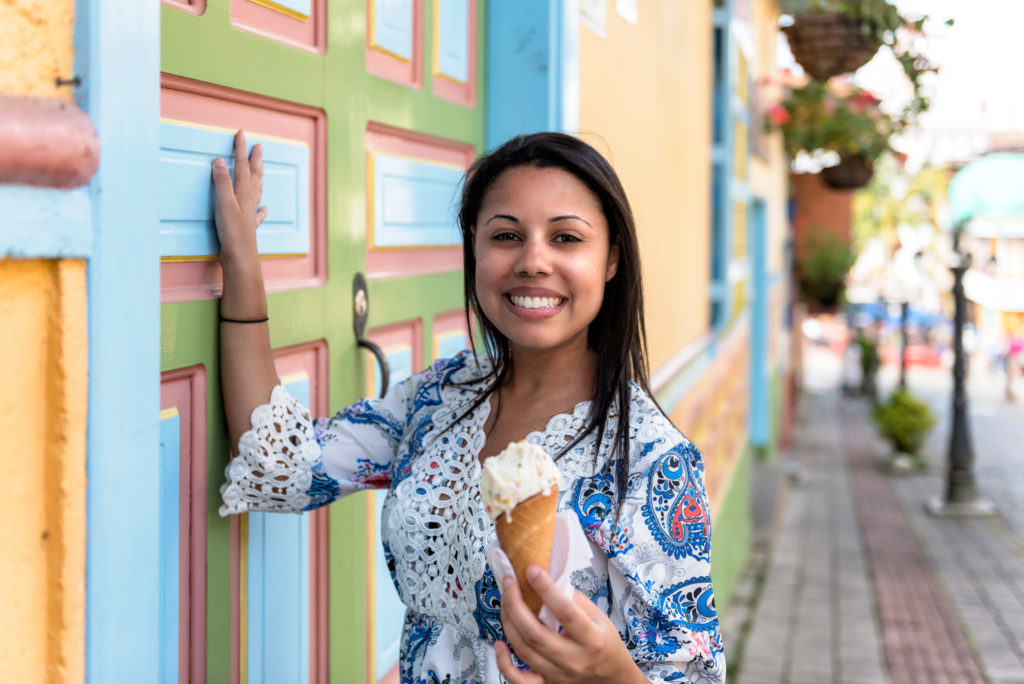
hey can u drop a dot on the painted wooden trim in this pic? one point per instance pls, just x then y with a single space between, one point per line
310 360
45 222
393 337
187 229
446 328
414 202
395 142
236 588
223 108
532 81
117 55
449 86
397 337
196 7
395 67
46 142
284 21
185 391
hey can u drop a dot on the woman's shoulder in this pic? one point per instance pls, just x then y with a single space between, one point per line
653 433
466 367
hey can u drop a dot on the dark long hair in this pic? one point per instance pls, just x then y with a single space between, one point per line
617 333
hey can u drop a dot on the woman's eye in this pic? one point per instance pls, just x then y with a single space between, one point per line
505 236
565 237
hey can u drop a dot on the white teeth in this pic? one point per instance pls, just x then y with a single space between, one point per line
536 302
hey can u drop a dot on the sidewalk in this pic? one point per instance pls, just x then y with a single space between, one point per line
851 581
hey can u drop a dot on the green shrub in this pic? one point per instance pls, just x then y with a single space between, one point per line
822 260
904 420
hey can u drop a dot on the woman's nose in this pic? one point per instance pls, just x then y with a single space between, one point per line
534 258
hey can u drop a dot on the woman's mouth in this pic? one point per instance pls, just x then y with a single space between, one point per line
536 302
534 306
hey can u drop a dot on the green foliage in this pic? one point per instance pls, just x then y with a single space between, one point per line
815 117
904 420
822 261
869 359
894 198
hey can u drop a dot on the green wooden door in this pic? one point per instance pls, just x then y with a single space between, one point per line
368 111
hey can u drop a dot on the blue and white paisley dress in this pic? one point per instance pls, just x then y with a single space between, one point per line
650 571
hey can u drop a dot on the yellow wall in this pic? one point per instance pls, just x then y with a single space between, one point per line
42 443
645 102
36 47
43 406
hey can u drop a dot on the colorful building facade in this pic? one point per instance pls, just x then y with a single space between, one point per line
368 111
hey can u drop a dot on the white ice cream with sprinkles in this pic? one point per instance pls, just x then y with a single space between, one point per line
520 471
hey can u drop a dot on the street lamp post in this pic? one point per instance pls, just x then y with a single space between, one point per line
961 494
904 307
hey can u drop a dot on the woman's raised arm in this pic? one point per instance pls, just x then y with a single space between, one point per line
246 362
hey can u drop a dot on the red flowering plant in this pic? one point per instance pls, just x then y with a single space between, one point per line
815 117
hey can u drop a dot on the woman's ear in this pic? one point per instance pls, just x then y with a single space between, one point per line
613 263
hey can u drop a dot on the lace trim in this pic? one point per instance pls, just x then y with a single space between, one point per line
273 468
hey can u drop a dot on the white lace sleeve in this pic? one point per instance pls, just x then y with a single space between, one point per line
274 466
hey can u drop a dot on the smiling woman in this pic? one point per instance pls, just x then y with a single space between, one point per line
552 276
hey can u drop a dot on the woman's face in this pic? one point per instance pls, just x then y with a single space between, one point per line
543 257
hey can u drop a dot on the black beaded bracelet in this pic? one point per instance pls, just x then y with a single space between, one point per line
239 320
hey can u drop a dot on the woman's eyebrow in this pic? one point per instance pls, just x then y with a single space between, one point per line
508 217
565 217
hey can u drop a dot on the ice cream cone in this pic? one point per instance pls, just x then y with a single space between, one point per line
527 539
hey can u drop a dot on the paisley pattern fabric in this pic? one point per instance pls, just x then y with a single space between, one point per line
651 566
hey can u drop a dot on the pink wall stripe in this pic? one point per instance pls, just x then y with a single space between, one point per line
46 142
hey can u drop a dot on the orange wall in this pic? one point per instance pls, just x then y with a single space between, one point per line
42 443
35 47
645 102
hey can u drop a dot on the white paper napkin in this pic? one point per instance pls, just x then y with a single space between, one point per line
569 552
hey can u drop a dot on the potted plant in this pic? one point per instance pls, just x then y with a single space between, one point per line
843 119
832 37
904 420
822 261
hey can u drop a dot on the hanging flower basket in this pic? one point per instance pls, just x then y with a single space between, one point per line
828 44
850 173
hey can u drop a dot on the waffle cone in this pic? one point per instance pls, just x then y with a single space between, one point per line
527 539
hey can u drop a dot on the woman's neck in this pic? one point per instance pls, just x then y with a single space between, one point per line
567 375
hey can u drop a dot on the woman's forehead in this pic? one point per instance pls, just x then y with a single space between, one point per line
531 186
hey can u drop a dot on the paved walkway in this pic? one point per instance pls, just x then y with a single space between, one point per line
851 581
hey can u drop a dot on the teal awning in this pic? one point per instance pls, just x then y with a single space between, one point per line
992 186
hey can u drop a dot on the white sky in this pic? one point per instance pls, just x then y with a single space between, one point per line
981 57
